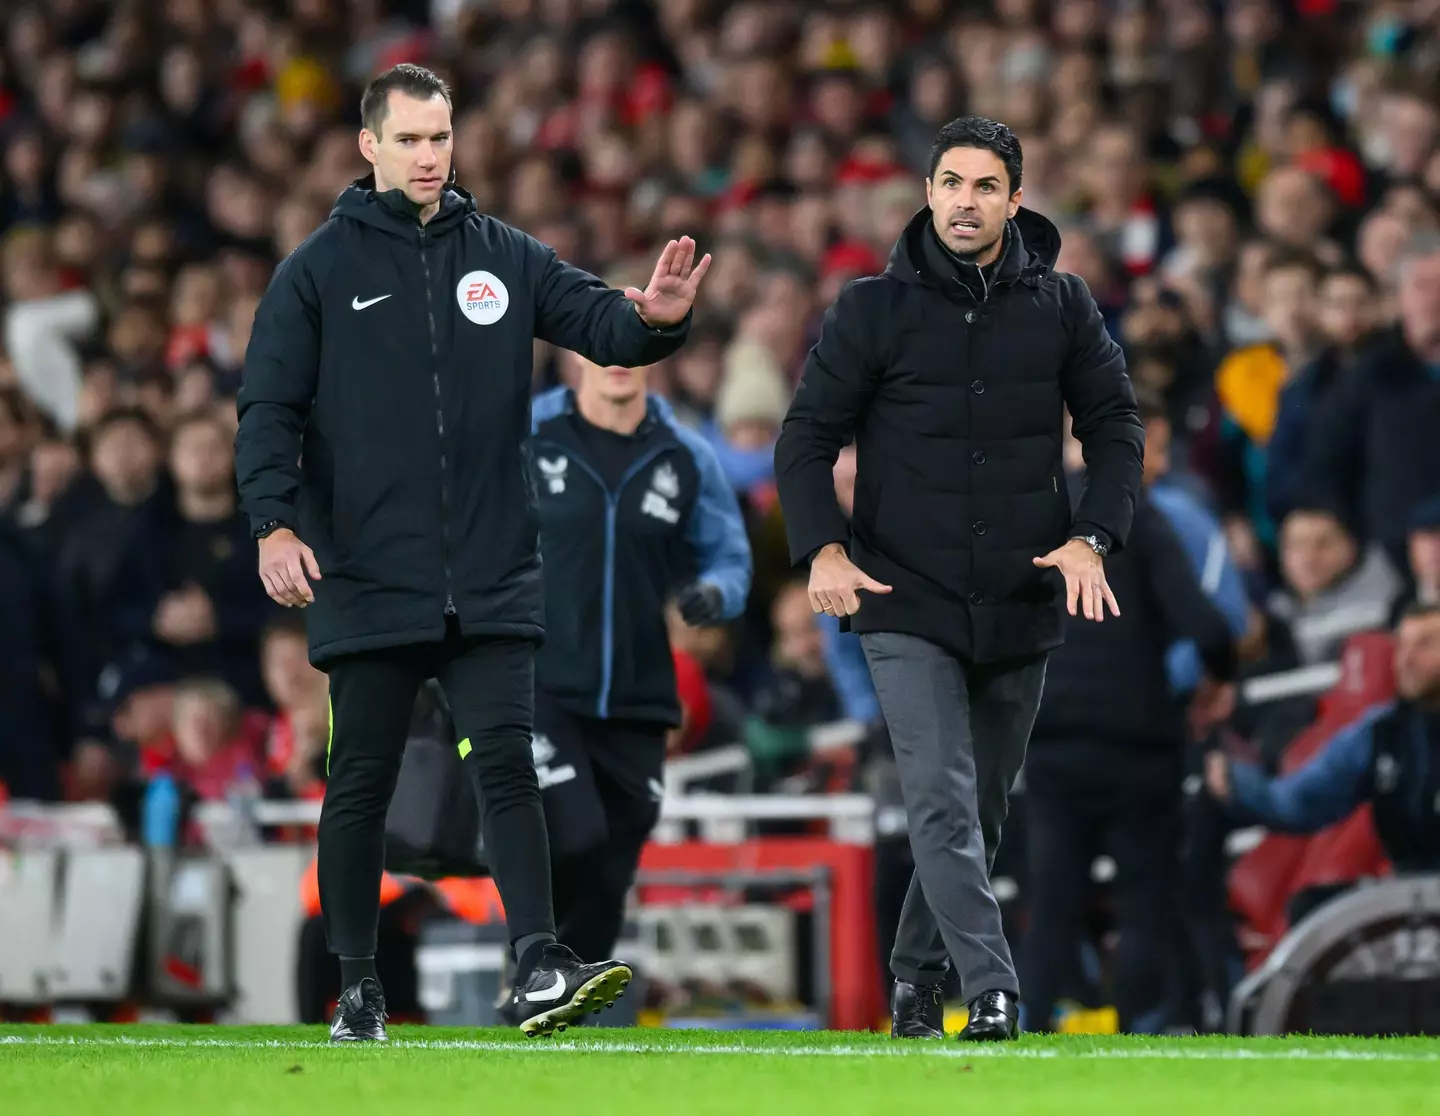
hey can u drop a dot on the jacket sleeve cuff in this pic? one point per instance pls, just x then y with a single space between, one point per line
679 329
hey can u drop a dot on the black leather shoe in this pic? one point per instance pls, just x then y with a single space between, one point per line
994 1017
360 1014
917 1010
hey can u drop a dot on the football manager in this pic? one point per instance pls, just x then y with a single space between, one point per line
385 401
951 372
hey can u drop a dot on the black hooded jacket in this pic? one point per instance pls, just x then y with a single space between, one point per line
385 401
953 386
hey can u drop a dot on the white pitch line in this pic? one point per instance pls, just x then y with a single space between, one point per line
927 1050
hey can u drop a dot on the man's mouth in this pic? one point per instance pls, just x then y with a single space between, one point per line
965 225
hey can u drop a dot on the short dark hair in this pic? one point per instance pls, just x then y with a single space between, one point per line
202 417
408 78
1295 259
986 134
1352 269
126 416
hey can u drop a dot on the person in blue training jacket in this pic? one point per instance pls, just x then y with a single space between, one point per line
634 512
1389 757
1204 541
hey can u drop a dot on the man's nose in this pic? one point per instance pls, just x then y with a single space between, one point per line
428 157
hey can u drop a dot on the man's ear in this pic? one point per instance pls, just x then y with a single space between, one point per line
1015 200
368 140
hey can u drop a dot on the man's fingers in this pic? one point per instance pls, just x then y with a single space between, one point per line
1089 598
295 574
666 260
850 602
679 259
636 295
870 585
1072 592
293 596
311 566
272 588
1109 596
700 269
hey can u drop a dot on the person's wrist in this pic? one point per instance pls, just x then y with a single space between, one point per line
270 527
830 550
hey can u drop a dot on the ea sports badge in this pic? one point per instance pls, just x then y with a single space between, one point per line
482 297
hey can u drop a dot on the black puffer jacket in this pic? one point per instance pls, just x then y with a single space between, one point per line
953 388
385 402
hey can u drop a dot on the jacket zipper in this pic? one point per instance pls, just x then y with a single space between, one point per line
607 600
440 426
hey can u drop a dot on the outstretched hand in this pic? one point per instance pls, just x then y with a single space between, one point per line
1084 573
671 292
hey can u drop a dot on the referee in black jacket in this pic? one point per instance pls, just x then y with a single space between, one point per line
385 402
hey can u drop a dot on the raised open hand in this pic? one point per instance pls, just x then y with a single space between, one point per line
671 292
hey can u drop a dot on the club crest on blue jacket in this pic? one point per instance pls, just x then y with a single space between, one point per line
614 553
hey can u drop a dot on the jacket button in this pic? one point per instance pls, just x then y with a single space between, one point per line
971 316
978 457
978 387
978 527
977 597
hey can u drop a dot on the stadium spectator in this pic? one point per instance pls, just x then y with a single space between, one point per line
1332 588
298 738
1374 454
1384 757
187 582
1250 383
29 734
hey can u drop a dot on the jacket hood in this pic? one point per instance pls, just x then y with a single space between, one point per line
392 211
1032 245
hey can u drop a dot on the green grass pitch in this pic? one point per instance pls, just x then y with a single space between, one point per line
277 1071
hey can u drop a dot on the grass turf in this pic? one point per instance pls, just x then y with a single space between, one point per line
276 1071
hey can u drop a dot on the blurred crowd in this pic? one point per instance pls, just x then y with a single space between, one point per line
1251 191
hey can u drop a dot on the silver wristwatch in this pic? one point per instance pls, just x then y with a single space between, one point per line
1094 544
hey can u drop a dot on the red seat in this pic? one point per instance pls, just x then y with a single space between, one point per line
1263 881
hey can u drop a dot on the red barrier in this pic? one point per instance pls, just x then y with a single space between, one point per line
856 1002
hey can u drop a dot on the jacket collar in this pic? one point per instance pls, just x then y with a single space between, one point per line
392 211
1032 244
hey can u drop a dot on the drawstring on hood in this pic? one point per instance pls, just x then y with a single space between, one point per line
1032 245
393 212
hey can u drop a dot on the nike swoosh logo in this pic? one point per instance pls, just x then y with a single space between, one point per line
545 995
356 304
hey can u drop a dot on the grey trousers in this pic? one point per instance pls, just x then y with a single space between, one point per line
959 732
